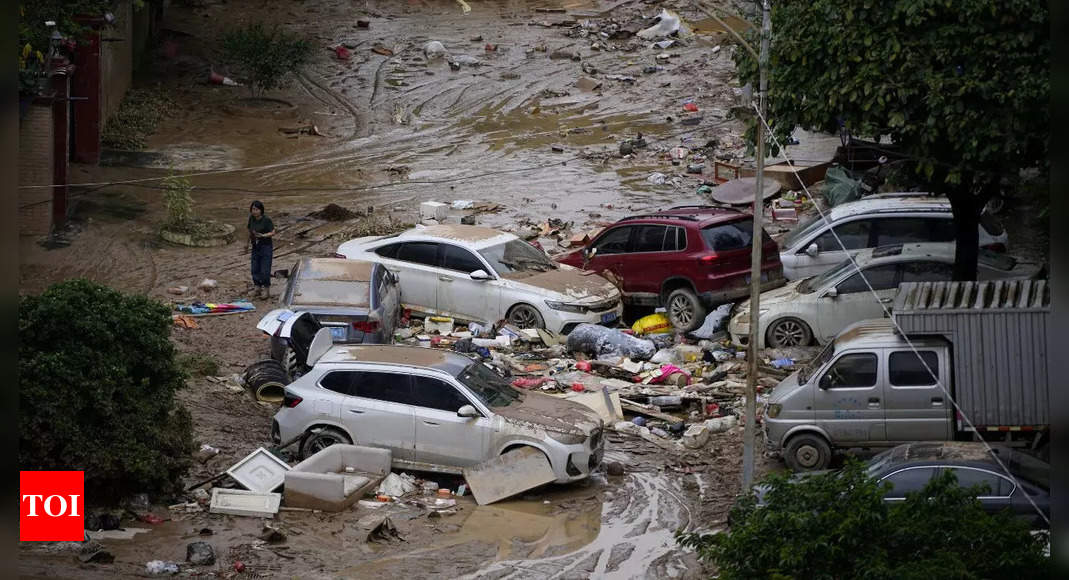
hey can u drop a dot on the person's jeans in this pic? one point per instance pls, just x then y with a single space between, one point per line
261 264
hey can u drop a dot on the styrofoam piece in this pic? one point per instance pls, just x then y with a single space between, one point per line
240 502
434 210
259 471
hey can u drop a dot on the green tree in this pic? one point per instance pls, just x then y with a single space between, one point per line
962 87
836 525
264 55
97 382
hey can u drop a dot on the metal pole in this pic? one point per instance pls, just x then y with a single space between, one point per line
755 261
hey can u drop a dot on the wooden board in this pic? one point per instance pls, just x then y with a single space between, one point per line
513 473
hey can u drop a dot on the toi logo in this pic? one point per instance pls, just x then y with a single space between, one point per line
51 506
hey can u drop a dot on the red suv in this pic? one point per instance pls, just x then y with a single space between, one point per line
688 259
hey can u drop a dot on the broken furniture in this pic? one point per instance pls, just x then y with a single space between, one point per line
259 471
336 477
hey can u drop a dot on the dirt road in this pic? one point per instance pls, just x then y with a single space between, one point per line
401 128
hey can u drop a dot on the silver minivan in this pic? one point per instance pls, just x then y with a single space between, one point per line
877 220
867 388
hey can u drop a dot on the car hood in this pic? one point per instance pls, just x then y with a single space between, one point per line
783 295
565 283
785 389
540 411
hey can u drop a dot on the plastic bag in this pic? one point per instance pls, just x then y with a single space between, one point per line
714 322
598 340
656 323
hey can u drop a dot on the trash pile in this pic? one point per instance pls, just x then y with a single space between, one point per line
671 389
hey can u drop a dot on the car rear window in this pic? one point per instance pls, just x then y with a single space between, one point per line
331 293
730 236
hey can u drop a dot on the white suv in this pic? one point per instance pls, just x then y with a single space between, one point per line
483 275
434 410
877 220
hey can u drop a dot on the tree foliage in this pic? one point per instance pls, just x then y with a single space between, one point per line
264 55
962 86
97 382
837 525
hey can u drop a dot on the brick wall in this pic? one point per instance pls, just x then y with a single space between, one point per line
36 168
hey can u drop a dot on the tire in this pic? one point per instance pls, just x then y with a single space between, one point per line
289 362
685 310
266 380
786 332
807 452
320 438
526 316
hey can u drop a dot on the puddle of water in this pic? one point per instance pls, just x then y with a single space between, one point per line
710 25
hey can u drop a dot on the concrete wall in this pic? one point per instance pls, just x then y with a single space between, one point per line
36 166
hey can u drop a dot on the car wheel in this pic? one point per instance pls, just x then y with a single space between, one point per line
289 361
685 311
526 316
321 438
807 452
788 332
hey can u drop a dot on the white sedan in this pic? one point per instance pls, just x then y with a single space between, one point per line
815 309
478 274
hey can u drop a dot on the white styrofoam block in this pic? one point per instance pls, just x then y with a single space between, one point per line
240 502
434 210
259 471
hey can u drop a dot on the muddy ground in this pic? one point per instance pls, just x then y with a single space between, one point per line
398 128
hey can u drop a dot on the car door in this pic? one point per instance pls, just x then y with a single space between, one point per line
853 300
855 235
416 266
443 437
459 295
610 250
646 263
848 403
377 411
916 407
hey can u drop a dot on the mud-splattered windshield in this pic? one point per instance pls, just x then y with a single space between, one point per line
823 357
517 256
491 389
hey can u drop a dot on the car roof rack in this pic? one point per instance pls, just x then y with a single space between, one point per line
688 218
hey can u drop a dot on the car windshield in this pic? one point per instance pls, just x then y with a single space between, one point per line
491 389
810 285
516 256
803 230
816 363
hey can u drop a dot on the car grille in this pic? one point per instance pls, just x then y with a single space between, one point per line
604 305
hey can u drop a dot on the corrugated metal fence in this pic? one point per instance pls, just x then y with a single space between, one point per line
998 332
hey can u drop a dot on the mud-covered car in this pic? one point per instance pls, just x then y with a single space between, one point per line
434 410
479 274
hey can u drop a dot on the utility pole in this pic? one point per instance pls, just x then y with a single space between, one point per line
755 259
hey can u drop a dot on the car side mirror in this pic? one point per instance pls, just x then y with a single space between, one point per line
825 382
467 411
812 250
831 293
480 275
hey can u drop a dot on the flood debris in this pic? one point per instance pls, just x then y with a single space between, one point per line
333 212
511 474
200 554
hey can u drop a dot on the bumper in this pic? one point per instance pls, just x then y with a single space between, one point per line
575 462
563 322
739 330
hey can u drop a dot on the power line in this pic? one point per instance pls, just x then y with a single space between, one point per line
887 313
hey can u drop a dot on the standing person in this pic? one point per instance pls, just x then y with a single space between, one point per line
261 230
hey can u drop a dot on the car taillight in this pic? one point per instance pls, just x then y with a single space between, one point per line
708 258
290 400
366 325
997 247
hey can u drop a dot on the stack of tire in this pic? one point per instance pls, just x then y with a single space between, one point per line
266 380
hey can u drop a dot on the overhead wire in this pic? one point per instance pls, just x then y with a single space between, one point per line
887 313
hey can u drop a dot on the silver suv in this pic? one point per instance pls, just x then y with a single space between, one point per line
877 220
434 410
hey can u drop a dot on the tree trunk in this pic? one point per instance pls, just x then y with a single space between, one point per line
966 207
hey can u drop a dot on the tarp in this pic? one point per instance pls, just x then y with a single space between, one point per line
840 187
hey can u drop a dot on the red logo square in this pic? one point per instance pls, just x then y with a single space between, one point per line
51 506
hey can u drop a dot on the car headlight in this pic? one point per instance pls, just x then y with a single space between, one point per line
773 410
576 308
567 438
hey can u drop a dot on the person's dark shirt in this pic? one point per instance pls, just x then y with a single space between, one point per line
261 226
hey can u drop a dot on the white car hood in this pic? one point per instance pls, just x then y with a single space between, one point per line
565 284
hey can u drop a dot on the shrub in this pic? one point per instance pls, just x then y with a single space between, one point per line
178 202
97 382
263 55
836 525
138 116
